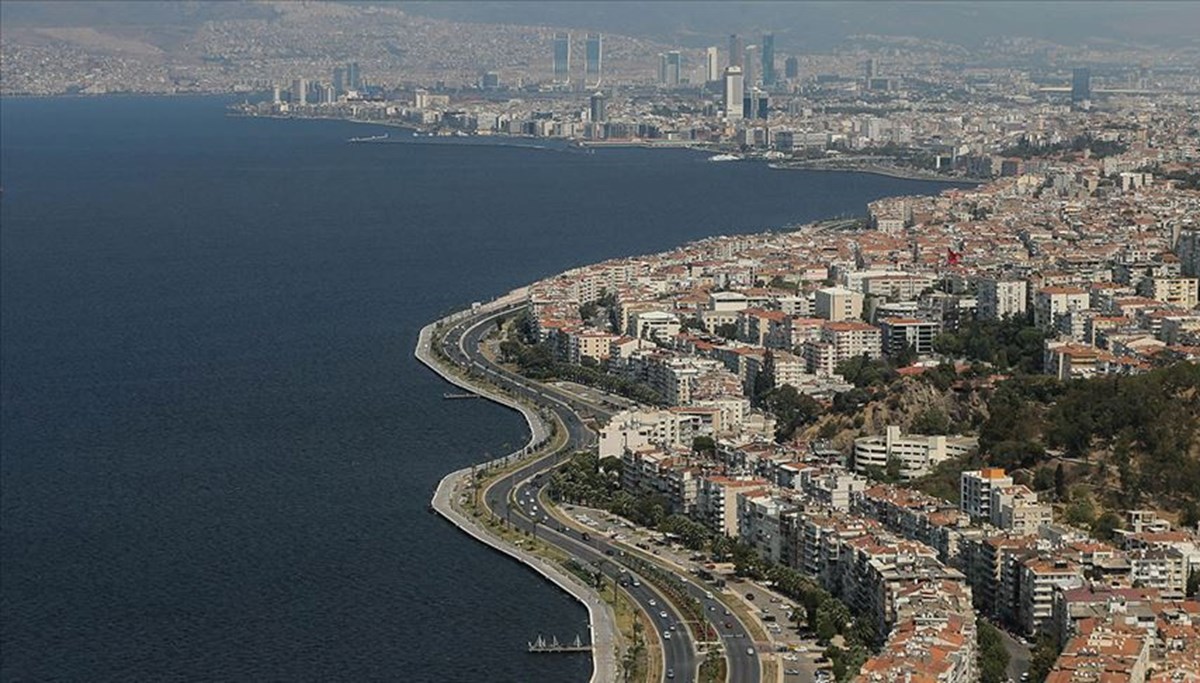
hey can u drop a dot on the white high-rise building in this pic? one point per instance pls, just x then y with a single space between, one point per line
999 299
734 90
712 72
976 487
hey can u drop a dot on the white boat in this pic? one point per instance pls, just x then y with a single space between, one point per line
725 157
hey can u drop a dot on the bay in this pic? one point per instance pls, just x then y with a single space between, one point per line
216 450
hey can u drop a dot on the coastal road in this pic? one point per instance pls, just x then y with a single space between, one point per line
461 343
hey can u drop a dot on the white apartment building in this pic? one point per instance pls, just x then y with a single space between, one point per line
917 454
838 303
976 487
1051 302
654 325
841 341
1176 291
1017 509
999 299
1037 581
634 429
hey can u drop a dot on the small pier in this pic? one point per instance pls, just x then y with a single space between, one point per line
450 396
554 647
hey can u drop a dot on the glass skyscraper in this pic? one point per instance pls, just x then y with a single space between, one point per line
594 55
562 56
768 59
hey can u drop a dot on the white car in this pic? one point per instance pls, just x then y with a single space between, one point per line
653 602
666 635
663 614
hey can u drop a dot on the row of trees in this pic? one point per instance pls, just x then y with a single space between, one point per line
1010 345
539 361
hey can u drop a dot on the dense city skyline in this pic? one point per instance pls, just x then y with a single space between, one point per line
954 439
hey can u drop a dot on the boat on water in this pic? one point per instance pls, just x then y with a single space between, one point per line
725 157
372 138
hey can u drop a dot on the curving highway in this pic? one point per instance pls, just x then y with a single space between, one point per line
515 498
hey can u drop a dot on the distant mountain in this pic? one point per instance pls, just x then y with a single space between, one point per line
799 26
821 25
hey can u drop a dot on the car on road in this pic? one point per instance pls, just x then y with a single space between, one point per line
666 635
663 614
670 673
750 651
653 602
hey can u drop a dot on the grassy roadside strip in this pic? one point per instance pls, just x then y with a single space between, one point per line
771 670
713 669
650 659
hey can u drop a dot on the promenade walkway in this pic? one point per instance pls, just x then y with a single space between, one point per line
600 614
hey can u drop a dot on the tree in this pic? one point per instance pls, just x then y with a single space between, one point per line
727 330
704 444
791 409
931 421
891 473
1105 525
1193 584
1044 655
1081 511
993 658
1060 483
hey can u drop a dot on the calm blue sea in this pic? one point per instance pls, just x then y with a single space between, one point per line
216 450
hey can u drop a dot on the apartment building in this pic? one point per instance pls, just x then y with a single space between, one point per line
841 341
838 303
917 454
976 486
899 334
717 502
1051 302
999 299
1037 581
1016 509
1183 292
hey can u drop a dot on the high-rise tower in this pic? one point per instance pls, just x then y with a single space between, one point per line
735 50
1081 84
712 70
750 65
300 91
594 56
562 57
733 92
768 59
599 110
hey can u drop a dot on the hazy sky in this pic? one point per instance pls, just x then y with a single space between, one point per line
797 25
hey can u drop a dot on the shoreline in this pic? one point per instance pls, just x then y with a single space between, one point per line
601 619
875 169
570 144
